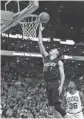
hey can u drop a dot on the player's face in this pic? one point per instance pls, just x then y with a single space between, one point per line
54 52
72 87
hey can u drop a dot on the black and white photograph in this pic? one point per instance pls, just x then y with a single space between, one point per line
42 59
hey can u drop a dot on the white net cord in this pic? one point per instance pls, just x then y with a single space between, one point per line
30 27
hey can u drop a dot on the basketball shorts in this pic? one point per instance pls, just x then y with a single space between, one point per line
52 92
54 98
75 116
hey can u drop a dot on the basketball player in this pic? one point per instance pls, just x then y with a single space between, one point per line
73 102
53 74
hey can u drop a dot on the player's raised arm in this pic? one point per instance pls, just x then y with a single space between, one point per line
40 42
62 75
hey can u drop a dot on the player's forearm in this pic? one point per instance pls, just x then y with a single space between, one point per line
40 42
41 46
62 75
62 80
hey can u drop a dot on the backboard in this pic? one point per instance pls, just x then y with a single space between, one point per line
20 9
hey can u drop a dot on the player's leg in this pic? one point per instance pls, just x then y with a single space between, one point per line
56 113
50 100
57 103
56 98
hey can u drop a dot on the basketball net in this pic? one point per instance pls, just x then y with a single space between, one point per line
29 26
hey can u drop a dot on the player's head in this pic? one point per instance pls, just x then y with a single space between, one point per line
54 52
72 86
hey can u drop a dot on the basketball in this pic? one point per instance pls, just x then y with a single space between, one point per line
44 17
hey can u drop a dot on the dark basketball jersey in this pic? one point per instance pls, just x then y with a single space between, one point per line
51 69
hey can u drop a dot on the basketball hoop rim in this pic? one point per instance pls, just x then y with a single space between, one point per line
30 16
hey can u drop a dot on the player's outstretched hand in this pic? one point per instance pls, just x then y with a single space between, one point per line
40 27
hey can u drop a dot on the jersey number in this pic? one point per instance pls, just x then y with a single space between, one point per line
73 105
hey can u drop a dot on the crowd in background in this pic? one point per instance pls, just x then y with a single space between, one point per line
25 96
20 98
